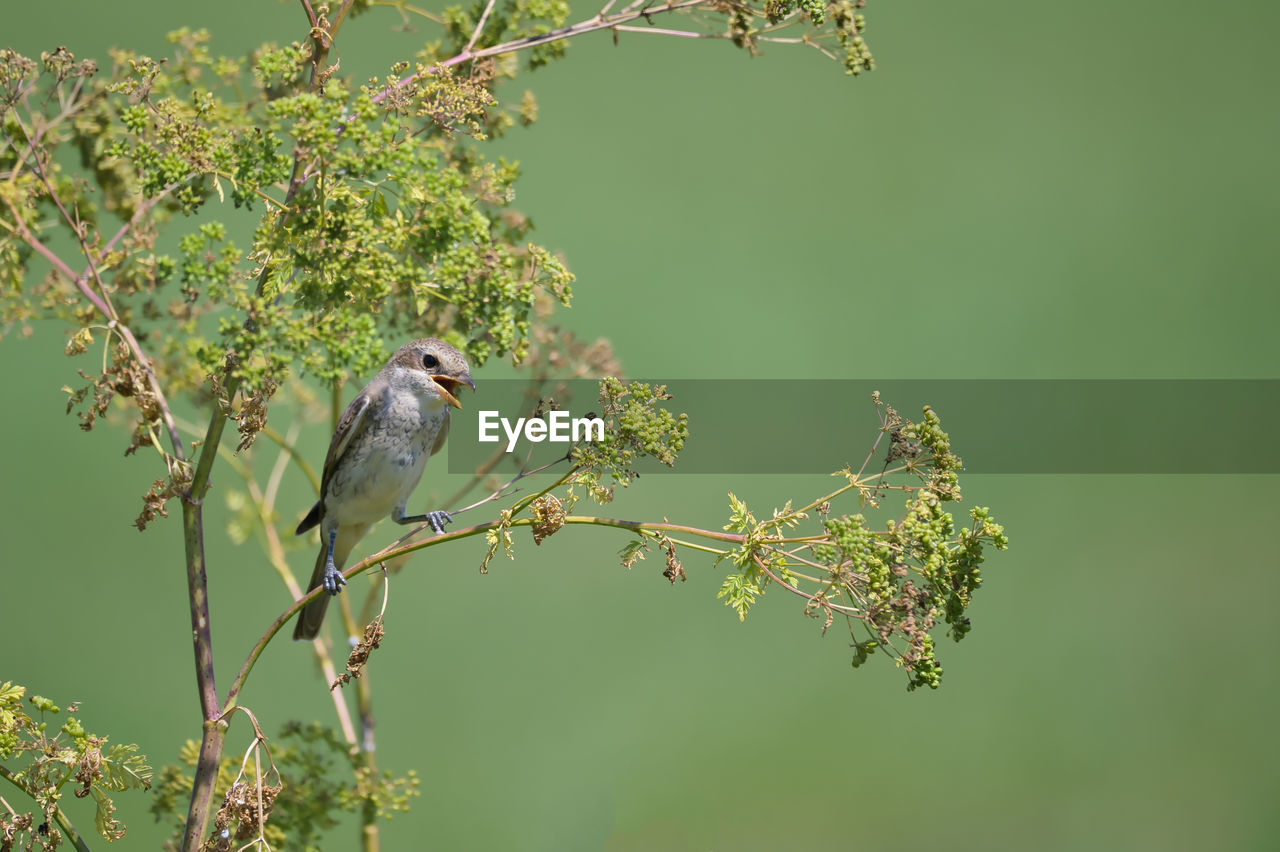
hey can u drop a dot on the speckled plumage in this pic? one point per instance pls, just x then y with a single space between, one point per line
376 458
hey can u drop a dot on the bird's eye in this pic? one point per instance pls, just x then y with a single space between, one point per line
430 361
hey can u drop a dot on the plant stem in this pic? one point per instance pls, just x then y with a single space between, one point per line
100 300
214 736
599 22
397 550
287 446
58 815
214 726
202 637
369 836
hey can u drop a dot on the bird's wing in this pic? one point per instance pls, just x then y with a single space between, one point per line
349 425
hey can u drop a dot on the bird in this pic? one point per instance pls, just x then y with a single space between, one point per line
376 458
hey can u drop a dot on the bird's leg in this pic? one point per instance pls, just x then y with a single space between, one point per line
333 579
436 520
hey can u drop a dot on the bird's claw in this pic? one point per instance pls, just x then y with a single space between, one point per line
437 520
333 579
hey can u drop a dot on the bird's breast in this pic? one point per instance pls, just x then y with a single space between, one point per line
385 461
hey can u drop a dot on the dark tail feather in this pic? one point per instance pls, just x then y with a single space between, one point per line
311 521
312 615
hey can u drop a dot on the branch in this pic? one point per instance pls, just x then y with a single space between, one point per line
484 17
103 303
844 610
339 18
601 21
661 31
397 550
67 827
143 208
24 234
402 7
311 15
307 470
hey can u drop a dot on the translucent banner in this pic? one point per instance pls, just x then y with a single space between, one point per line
771 426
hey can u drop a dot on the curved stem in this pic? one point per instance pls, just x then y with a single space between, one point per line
276 555
404 549
643 526
288 447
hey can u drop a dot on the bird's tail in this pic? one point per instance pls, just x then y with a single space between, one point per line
312 615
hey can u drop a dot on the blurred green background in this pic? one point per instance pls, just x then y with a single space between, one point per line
1019 191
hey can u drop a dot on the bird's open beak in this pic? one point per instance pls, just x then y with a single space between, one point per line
448 385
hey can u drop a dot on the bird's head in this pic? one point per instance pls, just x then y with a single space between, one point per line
434 367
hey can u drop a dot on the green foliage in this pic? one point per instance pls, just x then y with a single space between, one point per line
777 11
896 584
741 590
754 557
635 427
499 536
380 223
375 222
633 551
849 26
310 787
42 764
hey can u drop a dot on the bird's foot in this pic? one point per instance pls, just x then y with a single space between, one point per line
333 579
437 520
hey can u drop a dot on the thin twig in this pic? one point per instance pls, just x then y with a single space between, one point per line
103 304
311 15
339 18
811 598
144 207
475 34
67 827
394 551
307 470
278 469
402 7
661 31
629 14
